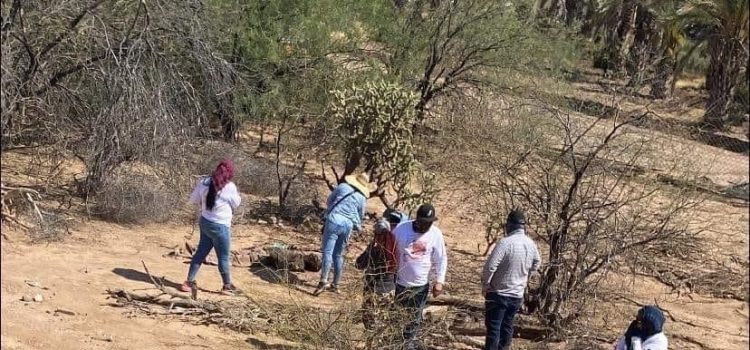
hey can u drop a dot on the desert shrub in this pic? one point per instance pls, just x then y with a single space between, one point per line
53 228
340 327
24 208
253 175
134 198
100 79
299 204
257 177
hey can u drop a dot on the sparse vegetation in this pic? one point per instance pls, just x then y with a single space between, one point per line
134 198
475 105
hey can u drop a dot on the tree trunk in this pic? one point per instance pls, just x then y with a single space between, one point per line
587 10
353 161
722 72
229 125
545 293
662 76
580 10
643 47
618 43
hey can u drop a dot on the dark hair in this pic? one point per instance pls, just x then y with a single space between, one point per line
211 196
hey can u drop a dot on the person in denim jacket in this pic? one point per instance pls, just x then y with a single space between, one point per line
345 210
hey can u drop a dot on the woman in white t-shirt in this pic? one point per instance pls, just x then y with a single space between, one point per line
217 196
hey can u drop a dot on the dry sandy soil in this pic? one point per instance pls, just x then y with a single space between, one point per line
75 273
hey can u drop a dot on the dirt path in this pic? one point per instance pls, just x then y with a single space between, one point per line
76 274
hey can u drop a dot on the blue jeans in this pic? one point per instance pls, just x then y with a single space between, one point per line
335 238
413 299
218 237
499 312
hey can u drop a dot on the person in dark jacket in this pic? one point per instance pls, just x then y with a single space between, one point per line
645 332
377 261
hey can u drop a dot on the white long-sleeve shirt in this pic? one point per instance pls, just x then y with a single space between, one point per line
227 200
419 254
657 341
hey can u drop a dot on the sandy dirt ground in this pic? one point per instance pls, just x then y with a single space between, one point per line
75 274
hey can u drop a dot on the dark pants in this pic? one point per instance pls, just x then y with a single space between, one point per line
413 299
499 312
213 236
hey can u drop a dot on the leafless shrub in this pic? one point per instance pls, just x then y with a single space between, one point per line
134 198
339 327
259 177
586 208
55 225
300 204
23 207
254 175
104 79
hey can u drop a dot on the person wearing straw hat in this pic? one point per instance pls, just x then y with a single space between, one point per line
345 210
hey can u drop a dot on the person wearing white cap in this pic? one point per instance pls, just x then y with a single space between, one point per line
345 210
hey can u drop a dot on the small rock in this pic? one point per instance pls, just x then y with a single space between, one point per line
435 312
262 222
38 298
274 220
27 298
281 225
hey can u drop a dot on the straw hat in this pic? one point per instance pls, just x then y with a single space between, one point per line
361 182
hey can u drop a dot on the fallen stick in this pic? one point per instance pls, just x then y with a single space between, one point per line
163 289
156 299
461 303
469 341
66 312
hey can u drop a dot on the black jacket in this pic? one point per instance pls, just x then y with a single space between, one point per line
373 261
